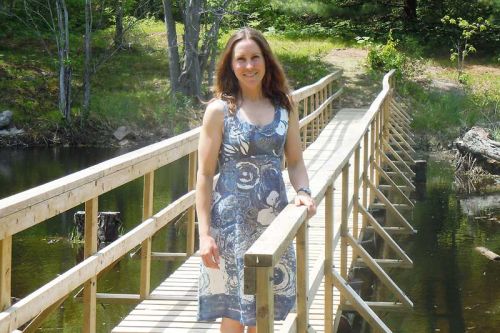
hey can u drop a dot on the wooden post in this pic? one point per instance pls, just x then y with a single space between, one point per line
90 247
355 194
365 174
147 212
372 159
265 300
344 216
302 274
190 234
329 259
5 272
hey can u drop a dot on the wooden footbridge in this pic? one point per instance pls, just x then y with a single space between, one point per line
358 160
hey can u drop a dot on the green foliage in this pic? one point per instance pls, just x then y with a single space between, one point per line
385 57
462 32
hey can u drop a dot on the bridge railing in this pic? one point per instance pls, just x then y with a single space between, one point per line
29 208
291 224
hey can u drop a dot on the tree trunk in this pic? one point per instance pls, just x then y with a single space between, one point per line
64 60
87 70
190 78
410 10
118 40
173 49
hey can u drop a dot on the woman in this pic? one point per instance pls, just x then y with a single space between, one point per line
247 129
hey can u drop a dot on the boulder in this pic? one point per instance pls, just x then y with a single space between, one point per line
5 119
122 132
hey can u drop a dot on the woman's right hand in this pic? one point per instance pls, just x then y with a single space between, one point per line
209 252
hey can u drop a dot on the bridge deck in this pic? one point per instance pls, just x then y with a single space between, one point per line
172 305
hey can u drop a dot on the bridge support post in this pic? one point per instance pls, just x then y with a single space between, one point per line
190 234
302 274
5 272
265 299
329 259
90 287
147 211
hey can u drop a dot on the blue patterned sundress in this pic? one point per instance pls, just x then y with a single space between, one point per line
248 195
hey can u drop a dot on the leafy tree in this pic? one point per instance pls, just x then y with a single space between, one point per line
461 33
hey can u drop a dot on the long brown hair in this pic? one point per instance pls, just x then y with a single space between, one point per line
274 84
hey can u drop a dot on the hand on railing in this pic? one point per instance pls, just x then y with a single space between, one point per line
304 199
209 252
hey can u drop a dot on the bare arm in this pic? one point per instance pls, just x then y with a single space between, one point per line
208 150
295 163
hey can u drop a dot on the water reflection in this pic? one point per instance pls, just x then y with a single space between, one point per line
44 251
454 289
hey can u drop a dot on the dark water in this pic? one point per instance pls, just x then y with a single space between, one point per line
44 251
453 288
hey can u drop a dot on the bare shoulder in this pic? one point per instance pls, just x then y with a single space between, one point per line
214 113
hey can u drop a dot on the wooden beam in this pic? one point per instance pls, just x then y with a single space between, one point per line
379 272
359 304
385 235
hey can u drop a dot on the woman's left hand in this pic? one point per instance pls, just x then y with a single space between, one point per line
305 200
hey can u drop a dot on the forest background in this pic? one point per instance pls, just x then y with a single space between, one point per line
72 71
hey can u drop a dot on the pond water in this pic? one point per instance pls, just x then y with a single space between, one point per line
453 287
40 253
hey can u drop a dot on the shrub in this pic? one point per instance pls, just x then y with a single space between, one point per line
386 57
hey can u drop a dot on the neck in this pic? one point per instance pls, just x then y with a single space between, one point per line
251 96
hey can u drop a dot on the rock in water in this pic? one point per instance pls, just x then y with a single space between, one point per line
5 119
121 133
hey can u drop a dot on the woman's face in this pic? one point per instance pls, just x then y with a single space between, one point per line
248 64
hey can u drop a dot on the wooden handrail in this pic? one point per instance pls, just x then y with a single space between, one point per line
26 209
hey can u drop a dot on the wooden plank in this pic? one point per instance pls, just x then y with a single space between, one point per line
190 232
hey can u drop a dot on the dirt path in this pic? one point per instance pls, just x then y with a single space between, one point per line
360 88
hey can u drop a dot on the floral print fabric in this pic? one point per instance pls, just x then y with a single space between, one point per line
249 194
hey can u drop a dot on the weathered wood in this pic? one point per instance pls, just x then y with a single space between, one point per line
108 228
477 141
488 253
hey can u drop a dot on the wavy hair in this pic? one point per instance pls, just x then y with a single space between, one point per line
274 84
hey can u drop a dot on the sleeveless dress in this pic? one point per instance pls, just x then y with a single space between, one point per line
248 195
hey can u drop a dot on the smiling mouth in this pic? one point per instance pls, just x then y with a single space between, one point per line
250 74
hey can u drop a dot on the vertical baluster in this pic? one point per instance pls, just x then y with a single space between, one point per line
355 194
5 271
329 259
90 247
147 212
344 226
302 274
265 299
365 174
372 159
191 210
